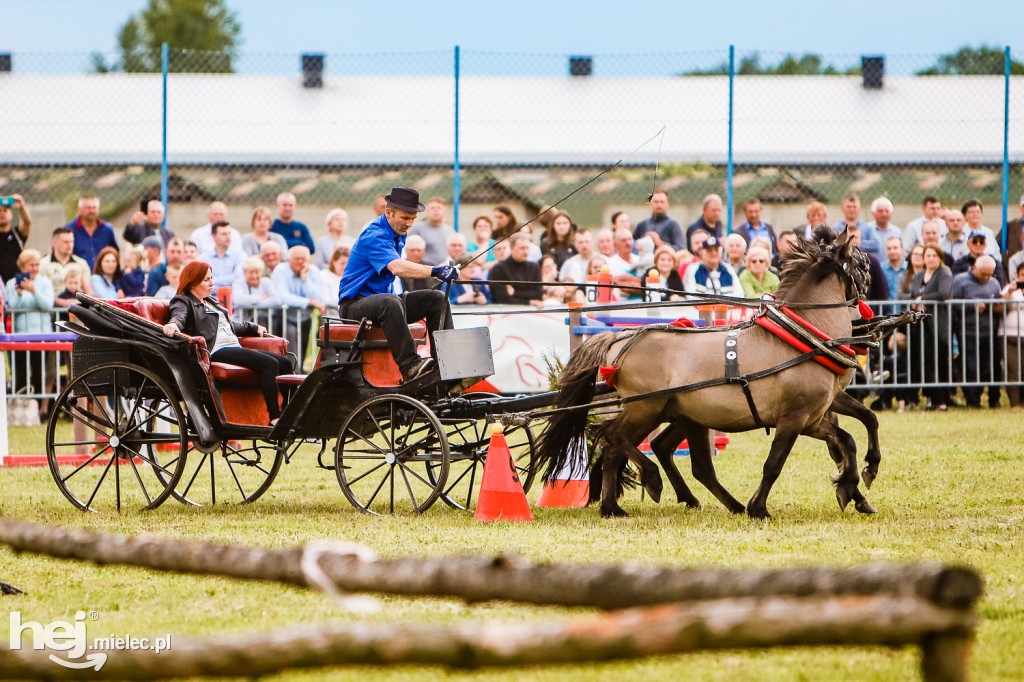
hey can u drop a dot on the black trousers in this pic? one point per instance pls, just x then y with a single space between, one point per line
982 353
394 313
268 365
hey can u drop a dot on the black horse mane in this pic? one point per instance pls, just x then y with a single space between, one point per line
826 254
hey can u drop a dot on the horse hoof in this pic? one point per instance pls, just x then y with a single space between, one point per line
843 497
864 507
761 513
738 509
692 503
617 512
868 476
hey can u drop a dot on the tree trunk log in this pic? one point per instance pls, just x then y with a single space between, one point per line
476 579
635 633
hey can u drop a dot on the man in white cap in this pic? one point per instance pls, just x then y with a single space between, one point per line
367 285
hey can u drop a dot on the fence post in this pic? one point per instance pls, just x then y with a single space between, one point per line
164 59
575 320
1006 140
4 443
728 168
456 181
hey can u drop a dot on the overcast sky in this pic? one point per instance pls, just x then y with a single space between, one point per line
907 27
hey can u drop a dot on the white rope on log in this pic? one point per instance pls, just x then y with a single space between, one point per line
315 576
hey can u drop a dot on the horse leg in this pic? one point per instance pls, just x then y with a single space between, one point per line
624 434
843 449
702 465
846 404
664 447
596 474
785 436
612 462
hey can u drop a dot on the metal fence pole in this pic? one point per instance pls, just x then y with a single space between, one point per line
729 168
164 59
457 181
1006 141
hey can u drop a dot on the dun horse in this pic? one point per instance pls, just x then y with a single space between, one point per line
817 279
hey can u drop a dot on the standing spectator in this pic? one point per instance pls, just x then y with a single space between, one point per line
559 239
1012 329
972 210
787 242
977 322
574 269
434 231
878 289
379 204
954 243
105 274
469 294
882 228
667 266
157 277
330 279
915 264
501 250
203 235
934 283
225 264
148 224
456 247
622 265
30 298
415 250
261 222
505 222
298 283
294 232
659 227
851 216
12 239
756 279
191 252
736 252
1014 237
894 266
132 281
710 275
483 229
153 252
270 254
62 257
816 215
91 234
337 221
606 242
931 208
516 268
709 221
976 248
754 227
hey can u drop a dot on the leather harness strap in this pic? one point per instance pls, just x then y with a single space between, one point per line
732 374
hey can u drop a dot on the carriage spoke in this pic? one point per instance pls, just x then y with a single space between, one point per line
138 477
99 483
380 485
406 467
366 473
408 487
85 463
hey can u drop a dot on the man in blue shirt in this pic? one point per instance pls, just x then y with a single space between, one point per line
755 227
92 235
366 287
710 218
663 230
294 232
869 242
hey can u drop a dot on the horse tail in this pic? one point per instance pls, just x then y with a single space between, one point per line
575 387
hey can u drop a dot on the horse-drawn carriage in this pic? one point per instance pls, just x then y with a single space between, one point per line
151 417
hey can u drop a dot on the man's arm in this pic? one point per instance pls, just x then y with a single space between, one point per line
406 268
26 218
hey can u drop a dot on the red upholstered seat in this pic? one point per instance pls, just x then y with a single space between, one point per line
153 309
379 368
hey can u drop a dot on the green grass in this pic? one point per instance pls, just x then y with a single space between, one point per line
949 490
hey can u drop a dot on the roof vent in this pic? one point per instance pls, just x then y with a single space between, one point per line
872 71
580 66
312 70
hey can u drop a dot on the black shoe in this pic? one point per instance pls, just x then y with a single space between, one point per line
417 370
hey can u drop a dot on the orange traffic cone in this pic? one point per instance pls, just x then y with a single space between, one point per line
501 494
570 487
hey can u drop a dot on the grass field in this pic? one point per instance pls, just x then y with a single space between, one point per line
950 489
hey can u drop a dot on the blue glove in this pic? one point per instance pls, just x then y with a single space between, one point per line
445 273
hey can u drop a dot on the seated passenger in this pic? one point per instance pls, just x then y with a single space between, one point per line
194 311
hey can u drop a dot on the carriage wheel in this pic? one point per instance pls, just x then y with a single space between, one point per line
124 446
468 442
233 473
385 454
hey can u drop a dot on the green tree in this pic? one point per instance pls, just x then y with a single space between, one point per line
790 65
188 27
969 61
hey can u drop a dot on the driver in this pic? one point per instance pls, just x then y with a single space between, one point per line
373 265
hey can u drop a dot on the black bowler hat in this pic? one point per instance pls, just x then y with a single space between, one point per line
405 199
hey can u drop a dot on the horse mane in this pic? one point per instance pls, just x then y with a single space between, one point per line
826 254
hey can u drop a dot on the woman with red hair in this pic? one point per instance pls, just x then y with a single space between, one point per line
194 311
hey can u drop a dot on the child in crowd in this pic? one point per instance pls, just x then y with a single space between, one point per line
133 279
169 290
72 285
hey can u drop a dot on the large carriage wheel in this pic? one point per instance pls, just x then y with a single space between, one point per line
123 448
468 442
392 455
232 473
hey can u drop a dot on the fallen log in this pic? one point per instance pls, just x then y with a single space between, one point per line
477 579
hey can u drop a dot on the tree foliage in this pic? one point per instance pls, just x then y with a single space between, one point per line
188 27
790 65
969 61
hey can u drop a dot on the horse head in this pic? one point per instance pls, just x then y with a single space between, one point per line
828 253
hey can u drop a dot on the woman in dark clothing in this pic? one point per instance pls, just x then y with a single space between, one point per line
195 312
559 238
935 283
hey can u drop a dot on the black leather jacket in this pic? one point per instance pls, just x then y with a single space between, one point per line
192 318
